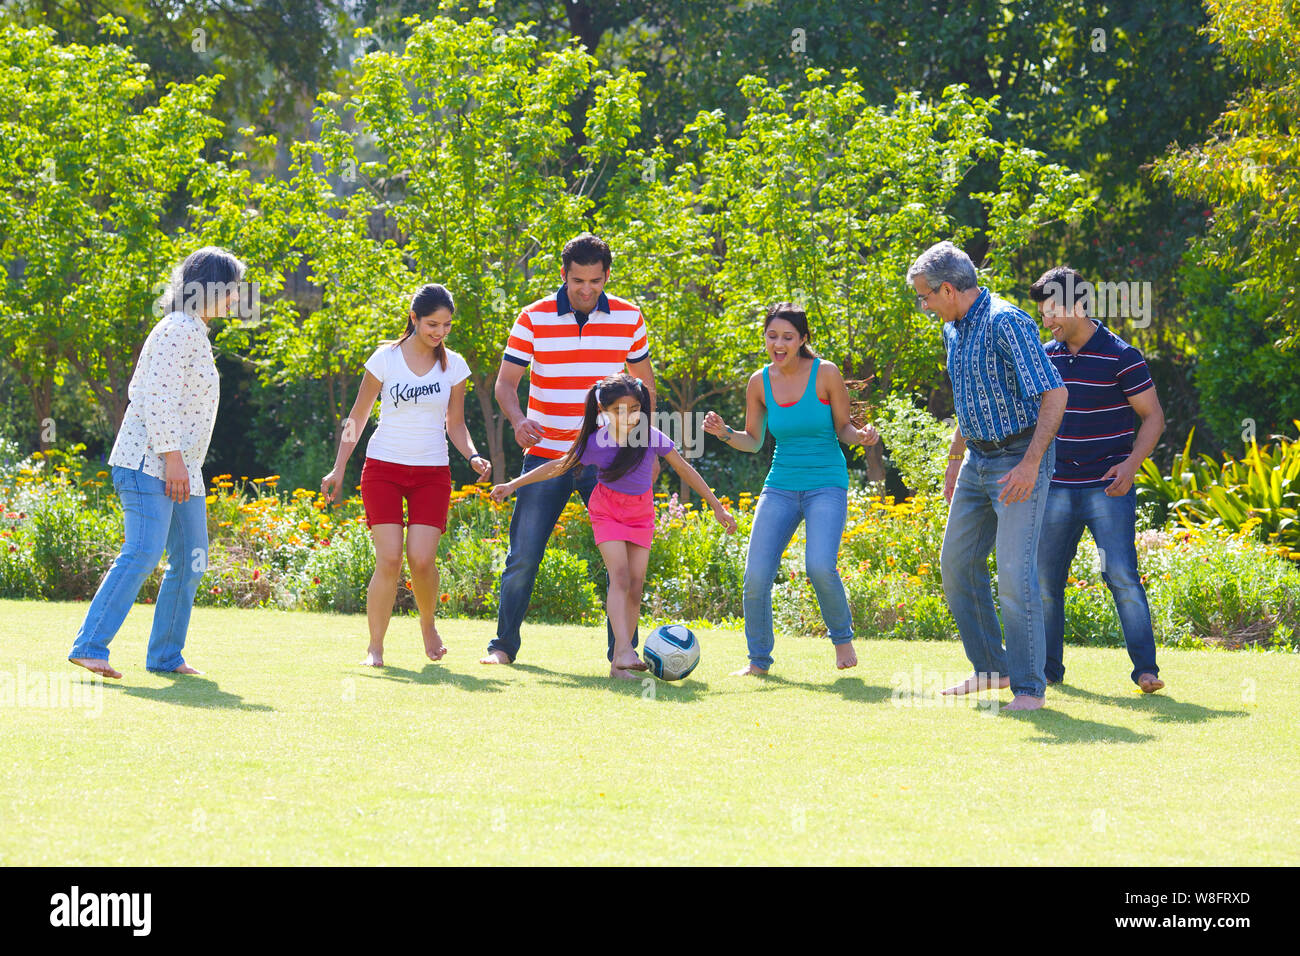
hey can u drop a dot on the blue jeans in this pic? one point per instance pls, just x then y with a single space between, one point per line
777 515
537 509
1112 521
978 522
153 522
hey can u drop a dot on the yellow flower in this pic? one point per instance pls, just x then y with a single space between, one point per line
210 498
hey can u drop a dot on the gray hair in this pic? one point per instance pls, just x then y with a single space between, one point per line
944 262
206 275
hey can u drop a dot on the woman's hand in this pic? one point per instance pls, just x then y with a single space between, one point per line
724 518
177 480
482 466
867 435
501 492
714 425
331 485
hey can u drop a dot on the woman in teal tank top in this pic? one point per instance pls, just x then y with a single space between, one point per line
804 403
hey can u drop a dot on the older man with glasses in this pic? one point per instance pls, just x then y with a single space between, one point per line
1009 400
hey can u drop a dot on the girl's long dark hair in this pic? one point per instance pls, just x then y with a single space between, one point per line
602 395
796 317
427 301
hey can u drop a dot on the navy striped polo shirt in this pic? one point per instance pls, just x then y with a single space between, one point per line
1097 430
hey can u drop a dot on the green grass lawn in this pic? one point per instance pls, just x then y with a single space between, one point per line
288 752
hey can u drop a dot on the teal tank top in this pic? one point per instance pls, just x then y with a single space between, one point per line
808 455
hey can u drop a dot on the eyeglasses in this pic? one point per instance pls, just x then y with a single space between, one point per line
920 299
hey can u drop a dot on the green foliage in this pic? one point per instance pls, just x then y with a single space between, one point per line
564 593
916 443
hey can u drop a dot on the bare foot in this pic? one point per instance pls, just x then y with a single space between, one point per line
628 662
96 666
434 649
976 683
750 670
622 674
374 658
186 669
495 657
1024 702
1149 683
845 656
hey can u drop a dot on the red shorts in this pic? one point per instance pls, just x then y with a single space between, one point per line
616 516
426 488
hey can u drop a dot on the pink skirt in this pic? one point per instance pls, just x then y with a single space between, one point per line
616 516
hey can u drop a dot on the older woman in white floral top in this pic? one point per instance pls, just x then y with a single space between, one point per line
157 465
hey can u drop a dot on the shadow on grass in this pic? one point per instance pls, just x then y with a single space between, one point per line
190 690
850 688
1163 708
435 674
1059 728
686 691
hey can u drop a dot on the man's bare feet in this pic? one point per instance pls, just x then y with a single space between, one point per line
976 683
495 657
434 649
1149 683
750 670
186 669
845 656
1024 702
374 658
96 666
622 674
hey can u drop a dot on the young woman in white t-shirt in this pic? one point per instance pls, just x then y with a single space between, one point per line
420 384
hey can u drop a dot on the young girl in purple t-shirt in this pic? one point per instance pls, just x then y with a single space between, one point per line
622 506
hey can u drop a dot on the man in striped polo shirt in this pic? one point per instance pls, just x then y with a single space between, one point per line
1008 401
570 340
1097 455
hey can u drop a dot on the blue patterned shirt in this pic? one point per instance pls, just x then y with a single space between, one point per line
998 369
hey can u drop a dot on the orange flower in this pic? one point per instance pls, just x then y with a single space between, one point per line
445 597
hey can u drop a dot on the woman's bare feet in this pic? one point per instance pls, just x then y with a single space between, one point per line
1149 683
976 683
96 666
622 674
495 657
1024 702
434 649
845 656
629 662
374 657
750 670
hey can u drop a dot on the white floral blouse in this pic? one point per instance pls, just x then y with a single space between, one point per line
173 400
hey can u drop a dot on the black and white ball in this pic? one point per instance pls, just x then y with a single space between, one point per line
672 651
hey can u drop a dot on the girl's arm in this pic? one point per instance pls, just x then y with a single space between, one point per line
701 487
751 439
845 430
458 431
549 470
353 425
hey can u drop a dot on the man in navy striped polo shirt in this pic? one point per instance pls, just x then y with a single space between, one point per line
1097 455
1008 399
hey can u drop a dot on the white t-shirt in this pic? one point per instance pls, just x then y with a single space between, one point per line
412 408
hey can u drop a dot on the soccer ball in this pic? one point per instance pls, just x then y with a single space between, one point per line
671 651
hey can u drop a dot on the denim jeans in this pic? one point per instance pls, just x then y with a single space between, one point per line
977 523
153 522
778 513
1112 521
537 509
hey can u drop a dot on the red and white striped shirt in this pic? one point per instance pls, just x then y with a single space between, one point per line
567 360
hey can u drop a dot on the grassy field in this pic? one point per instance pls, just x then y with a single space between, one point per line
288 752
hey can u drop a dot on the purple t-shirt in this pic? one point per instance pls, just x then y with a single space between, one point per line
601 449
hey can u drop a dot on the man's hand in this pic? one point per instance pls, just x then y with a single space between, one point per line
528 433
1019 482
950 479
1123 473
